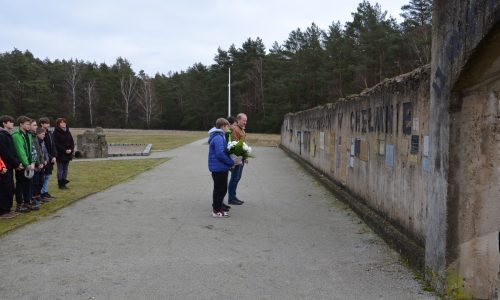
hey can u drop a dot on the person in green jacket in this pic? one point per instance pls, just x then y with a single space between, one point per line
24 144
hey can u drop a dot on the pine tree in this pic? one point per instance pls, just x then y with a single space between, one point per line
417 27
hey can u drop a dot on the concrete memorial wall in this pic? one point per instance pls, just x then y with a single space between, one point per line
462 241
423 149
375 144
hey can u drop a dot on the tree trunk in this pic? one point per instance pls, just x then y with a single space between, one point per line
127 86
72 80
90 89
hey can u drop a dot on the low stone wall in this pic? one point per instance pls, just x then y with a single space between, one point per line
129 149
375 144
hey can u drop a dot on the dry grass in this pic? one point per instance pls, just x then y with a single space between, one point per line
162 140
263 140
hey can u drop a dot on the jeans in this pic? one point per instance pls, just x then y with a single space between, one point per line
62 170
220 189
45 186
233 182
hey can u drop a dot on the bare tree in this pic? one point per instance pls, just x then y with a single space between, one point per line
72 79
147 100
128 89
91 96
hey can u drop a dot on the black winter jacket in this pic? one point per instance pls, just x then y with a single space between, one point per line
64 141
8 151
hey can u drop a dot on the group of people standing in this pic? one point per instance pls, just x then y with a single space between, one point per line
220 163
29 154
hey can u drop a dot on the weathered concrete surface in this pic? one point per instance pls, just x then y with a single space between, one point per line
474 175
390 115
154 238
374 144
463 194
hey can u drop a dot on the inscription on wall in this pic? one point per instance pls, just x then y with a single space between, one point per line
379 120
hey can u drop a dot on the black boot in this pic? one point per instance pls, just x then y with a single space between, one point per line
65 181
61 184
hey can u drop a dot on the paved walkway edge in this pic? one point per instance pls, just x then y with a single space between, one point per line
393 235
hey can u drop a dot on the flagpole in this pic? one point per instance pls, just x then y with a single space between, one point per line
229 94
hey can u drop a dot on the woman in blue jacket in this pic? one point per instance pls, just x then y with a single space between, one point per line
219 164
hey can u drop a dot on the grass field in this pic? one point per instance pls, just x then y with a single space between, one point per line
163 140
87 177
263 140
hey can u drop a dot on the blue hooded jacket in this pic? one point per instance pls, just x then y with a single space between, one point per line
218 158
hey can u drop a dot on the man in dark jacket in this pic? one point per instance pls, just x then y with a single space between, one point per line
51 150
219 164
9 156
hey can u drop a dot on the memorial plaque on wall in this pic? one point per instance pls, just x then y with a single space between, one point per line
425 152
389 155
357 147
306 141
364 154
381 147
415 140
407 117
415 125
426 163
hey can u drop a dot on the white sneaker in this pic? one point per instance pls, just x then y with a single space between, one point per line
220 214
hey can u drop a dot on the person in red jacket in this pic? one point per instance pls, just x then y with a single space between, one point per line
3 167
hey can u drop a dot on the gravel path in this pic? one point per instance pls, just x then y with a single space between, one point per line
154 238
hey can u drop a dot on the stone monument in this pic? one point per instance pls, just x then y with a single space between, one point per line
92 144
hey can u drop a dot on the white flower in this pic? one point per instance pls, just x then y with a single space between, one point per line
231 145
247 148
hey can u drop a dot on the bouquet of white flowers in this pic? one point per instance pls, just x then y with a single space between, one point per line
239 149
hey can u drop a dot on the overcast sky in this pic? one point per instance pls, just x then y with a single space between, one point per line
160 36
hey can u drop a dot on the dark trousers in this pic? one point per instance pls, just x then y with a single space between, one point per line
6 191
220 189
23 188
36 183
62 170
